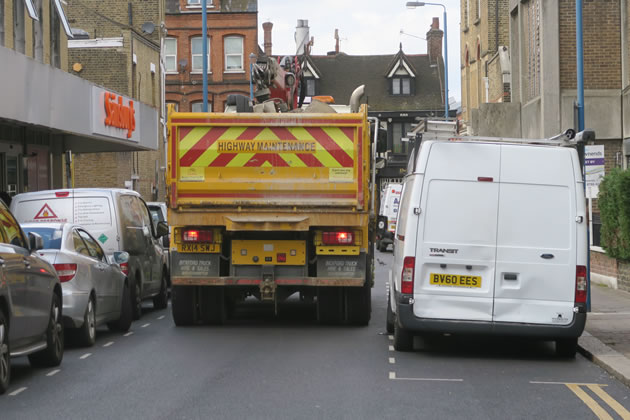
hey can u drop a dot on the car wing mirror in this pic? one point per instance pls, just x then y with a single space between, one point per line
35 241
121 257
162 229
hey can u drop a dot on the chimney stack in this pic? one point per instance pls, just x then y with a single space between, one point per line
434 41
267 26
336 41
301 36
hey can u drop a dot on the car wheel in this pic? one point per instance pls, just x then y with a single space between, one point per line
160 301
136 298
389 323
403 339
566 347
124 322
87 332
53 353
5 354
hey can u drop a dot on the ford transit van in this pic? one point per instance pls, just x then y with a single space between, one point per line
120 220
491 239
388 213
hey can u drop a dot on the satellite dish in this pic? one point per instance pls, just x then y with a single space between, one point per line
148 27
183 63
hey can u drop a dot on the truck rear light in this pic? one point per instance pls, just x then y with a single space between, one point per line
580 284
196 235
281 257
338 238
124 267
66 272
409 265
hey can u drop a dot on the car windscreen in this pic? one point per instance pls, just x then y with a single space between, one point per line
51 236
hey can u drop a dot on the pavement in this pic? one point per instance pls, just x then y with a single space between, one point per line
606 339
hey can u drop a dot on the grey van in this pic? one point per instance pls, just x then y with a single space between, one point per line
120 220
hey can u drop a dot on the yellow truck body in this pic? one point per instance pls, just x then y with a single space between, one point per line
269 205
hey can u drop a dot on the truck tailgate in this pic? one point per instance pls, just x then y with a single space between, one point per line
268 159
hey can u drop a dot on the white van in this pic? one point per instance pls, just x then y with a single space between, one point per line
119 219
387 215
491 239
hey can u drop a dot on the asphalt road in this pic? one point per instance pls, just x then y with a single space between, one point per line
289 367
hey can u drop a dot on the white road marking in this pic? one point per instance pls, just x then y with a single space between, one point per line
128 334
108 344
146 325
608 313
17 391
563 383
161 317
85 356
391 348
391 337
54 372
392 376
392 361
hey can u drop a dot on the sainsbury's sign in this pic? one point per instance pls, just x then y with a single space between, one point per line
114 115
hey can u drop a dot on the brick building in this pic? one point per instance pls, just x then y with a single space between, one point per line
117 45
232 37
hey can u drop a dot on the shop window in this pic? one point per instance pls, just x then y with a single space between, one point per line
233 47
196 50
18 28
198 107
170 55
401 86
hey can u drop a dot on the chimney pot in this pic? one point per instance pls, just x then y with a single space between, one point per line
436 23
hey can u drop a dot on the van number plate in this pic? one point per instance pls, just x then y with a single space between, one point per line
455 280
194 248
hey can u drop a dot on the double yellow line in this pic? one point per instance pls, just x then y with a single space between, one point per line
594 406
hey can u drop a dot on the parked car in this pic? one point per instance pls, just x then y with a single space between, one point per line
95 289
30 301
387 215
159 214
491 239
119 220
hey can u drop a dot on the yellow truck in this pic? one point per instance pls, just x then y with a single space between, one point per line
270 205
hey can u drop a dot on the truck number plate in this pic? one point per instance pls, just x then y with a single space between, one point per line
455 280
194 248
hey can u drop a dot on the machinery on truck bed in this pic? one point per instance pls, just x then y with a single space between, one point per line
269 205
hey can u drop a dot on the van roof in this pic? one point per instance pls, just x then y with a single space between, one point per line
76 190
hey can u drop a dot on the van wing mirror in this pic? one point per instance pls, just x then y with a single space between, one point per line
35 241
162 229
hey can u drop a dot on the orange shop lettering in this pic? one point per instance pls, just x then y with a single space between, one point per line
119 115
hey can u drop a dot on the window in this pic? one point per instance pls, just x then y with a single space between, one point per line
196 48
93 247
79 245
310 87
38 34
170 54
401 86
198 107
51 236
233 46
478 9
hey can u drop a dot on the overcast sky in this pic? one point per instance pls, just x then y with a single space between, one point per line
365 27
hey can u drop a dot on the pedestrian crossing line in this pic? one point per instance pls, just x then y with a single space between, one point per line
597 409
391 337
612 403
393 377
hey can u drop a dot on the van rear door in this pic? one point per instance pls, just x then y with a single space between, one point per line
457 228
536 238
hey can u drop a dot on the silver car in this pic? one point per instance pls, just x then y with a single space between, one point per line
95 289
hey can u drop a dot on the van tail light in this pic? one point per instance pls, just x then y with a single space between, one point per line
124 267
580 284
66 272
338 238
408 271
197 235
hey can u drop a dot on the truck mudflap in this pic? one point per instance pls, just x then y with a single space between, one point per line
248 281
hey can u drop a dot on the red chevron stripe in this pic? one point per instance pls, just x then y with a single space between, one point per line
201 146
331 147
260 158
310 160
349 132
291 194
184 131
250 133
282 133
223 159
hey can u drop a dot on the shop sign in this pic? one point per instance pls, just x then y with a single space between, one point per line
114 115
594 168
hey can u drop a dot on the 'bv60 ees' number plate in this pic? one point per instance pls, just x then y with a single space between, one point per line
194 248
455 280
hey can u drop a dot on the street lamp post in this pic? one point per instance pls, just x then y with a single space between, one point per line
413 5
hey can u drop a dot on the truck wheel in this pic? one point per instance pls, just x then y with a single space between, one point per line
389 323
53 353
160 301
566 347
330 305
403 339
212 306
358 304
183 305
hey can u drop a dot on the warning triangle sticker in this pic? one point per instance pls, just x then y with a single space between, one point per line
45 213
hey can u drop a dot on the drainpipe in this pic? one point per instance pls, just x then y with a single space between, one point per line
204 55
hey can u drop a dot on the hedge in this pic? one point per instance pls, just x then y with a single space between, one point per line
614 207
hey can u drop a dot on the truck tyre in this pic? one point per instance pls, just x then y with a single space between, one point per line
330 305
160 301
358 304
184 305
53 353
566 347
212 305
403 339
389 323
124 322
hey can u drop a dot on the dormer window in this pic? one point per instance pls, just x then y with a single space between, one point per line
402 79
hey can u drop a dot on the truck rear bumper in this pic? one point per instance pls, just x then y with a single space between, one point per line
248 281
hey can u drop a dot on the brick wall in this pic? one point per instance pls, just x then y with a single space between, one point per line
95 61
495 80
602 44
623 281
604 265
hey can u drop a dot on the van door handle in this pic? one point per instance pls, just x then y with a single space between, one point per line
509 276
547 256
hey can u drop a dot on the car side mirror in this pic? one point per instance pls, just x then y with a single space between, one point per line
121 257
35 241
162 229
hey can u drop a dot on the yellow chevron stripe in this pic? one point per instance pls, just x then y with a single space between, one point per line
340 138
293 160
321 154
240 160
266 134
191 139
232 133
